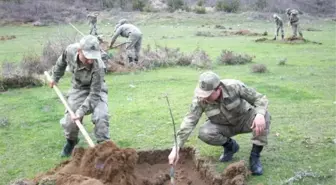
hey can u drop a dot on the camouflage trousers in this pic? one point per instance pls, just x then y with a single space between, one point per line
296 29
134 46
217 135
99 117
279 28
93 28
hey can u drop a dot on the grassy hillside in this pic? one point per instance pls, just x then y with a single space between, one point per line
301 94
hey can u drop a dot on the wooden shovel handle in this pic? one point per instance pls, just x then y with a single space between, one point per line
78 123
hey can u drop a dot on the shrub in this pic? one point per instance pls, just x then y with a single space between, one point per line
258 68
139 4
201 59
24 74
200 10
204 34
260 4
158 57
175 5
200 3
230 6
229 58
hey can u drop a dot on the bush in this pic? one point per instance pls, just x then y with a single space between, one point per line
260 5
204 34
201 59
52 49
258 68
158 57
229 58
230 6
200 3
149 8
139 4
175 5
282 62
24 74
200 10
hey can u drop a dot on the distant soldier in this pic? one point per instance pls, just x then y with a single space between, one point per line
293 17
88 94
134 35
92 17
279 26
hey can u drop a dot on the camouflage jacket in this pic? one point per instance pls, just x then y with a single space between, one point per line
125 30
92 18
278 22
293 16
236 100
89 78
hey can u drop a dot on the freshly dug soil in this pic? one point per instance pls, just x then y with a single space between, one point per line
106 164
7 37
289 40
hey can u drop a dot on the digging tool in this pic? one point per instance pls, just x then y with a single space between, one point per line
78 123
76 29
172 170
119 45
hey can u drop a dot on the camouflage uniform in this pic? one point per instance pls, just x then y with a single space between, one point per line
279 26
134 36
92 17
89 91
232 115
293 16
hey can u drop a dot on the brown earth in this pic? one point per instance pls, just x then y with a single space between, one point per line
288 40
244 33
106 164
7 37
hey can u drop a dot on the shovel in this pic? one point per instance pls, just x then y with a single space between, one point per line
113 47
78 123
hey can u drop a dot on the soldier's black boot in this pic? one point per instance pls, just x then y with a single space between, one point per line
282 36
68 147
136 60
230 148
274 38
255 164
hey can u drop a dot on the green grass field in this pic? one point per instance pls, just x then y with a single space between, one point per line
301 95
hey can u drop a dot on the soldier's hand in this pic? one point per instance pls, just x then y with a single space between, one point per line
75 117
52 83
173 156
259 124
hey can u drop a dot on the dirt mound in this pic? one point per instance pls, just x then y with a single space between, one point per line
7 37
289 40
236 174
244 33
106 164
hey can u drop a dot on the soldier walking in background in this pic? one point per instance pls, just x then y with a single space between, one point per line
92 17
279 26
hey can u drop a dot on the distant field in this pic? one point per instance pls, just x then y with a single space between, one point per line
301 94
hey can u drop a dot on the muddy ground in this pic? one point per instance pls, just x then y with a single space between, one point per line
106 164
289 40
7 37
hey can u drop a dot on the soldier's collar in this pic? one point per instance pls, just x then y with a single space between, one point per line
225 93
80 64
